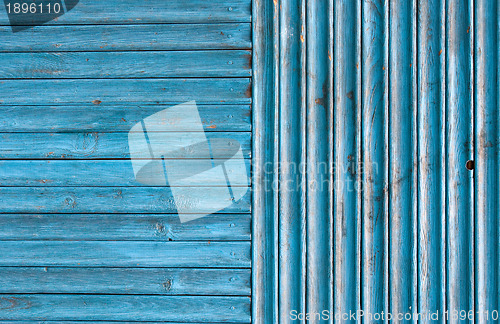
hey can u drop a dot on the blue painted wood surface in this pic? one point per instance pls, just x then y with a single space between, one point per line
154 11
114 118
106 173
124 281
411 100
125 254
125 308
139 91
86 146
81 239
145 64
124 227
127 38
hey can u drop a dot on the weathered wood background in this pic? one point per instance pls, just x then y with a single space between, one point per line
80 239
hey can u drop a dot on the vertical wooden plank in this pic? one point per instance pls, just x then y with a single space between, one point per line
402 139
487 208
292 157
319 289
265 153
431 153
459 137
374 146
346 136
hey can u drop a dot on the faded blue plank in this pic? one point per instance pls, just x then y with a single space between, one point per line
125 91
111 173
112 118
265 235
459 149
402 158
88 146
121 281
152 11
374 65
319 278
487 141
346 157
292 153
125 308
129 227
127 38
117 200
79 65
431 166
125 254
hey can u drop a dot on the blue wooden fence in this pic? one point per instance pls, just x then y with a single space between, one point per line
80 238
400 101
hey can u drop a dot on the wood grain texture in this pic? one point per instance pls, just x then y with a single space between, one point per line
319 279
125 308
125 91
121 281
487 145
374 145
431 164
80 65
459 149
103 38
113 118
109 173
265 236
152 12
124 227
346 156
292 159
402 157
125 254
116 200
85 146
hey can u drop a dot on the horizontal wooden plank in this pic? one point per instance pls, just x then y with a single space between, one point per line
88 146
125 254
151 11
95 227
113 173
98 65
106 118
125 308
117 200
125 91
121 281
127 38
